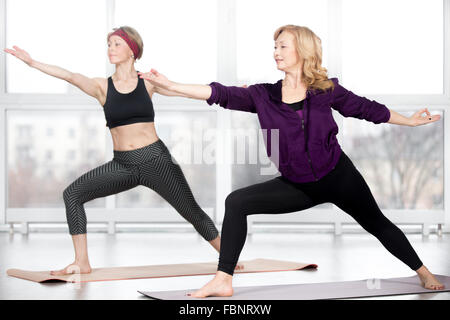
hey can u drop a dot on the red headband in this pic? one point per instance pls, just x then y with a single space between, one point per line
132 44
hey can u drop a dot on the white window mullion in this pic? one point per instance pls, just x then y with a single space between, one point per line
3 45
110 24
335 70
446 172
335 38
3 158
226 73
446 117
447 49
3 115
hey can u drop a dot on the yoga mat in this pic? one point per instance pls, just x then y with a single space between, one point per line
315 291
159 271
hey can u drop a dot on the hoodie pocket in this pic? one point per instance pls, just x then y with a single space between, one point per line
283 155
299 161
318 151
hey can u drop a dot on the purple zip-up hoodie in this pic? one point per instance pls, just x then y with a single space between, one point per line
308 147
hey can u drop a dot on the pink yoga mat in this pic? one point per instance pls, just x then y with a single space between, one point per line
159 271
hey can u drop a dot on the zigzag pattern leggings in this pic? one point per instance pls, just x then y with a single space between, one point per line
151 166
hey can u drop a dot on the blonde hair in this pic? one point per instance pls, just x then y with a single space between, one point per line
309 48
133 35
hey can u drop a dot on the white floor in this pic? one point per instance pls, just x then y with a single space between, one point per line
340 258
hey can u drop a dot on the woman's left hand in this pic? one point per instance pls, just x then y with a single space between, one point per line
417 119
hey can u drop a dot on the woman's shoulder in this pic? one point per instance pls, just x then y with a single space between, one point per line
335 80
272 88
269 85
326 88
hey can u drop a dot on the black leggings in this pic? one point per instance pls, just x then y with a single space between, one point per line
343 186
151 166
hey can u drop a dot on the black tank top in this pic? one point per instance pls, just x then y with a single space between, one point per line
296 105
133 107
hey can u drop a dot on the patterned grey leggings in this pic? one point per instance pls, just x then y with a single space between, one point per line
151 166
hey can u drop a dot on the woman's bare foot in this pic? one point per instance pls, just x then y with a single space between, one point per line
428 280
220 286
76 267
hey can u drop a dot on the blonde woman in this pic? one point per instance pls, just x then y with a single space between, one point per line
140 156
313 167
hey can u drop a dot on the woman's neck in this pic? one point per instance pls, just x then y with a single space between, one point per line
124 72
293 79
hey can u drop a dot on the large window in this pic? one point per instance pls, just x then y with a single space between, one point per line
70 34
49 150
256 22
403 166
180 37
393 52
393 47
250 163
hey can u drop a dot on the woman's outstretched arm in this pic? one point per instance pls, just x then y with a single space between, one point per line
415 120
228 97
170 88
91 86
352 105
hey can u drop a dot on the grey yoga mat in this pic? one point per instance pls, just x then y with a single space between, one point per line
315 291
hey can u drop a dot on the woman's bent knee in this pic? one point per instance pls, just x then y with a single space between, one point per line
234 201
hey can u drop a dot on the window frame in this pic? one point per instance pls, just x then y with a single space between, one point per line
226 73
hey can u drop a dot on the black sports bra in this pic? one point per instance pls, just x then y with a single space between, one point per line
126 108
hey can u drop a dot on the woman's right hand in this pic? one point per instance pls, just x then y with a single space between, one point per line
20 54
156 78
164 86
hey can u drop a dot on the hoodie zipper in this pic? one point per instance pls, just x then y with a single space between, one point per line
306 145
304 133
307 151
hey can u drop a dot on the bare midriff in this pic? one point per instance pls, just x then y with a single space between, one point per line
133 136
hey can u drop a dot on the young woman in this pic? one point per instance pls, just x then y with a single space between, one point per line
313 167
140 156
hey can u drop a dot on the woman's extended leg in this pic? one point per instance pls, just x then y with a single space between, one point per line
351 193
271 197
166 178
107 179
